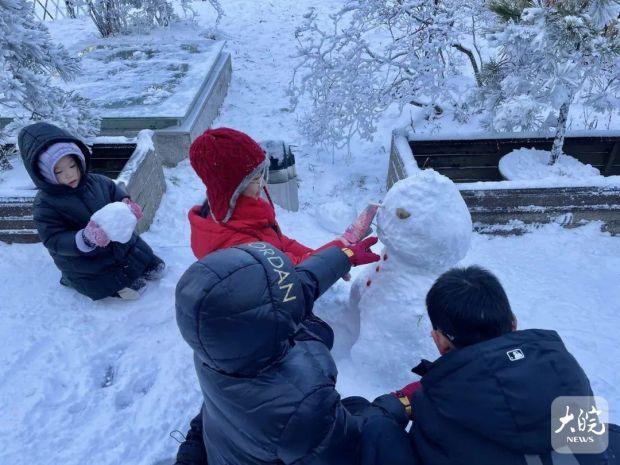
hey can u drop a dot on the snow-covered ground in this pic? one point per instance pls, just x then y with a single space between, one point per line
106 382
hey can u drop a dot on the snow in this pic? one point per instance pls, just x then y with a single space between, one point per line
601 183
426 229
445 134
532 164
16 182
144 146
108 381
117 220
335 216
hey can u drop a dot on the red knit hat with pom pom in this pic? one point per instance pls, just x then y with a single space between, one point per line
226 161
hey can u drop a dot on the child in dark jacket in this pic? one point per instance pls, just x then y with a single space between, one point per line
268 381
68 197
487 399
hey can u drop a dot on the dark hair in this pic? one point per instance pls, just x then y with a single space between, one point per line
469 305
205 209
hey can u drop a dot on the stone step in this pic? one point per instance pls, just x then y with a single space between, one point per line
17 222
8 207
22 236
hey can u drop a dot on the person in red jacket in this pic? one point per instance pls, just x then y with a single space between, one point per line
232 167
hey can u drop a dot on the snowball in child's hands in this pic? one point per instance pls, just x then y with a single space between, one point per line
117 220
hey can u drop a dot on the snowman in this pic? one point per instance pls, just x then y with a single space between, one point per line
425 227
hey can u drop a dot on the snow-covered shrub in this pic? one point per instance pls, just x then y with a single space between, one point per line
153 12
110 16
114 17
217 6
28 59
551 54
375 53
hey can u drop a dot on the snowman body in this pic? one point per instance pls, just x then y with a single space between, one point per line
425 227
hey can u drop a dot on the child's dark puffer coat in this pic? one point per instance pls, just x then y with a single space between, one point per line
61 211
268 381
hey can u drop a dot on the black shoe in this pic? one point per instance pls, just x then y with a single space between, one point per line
65 282
155 271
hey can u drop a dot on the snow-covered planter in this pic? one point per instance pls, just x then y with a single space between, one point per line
171 80
500 206
130 161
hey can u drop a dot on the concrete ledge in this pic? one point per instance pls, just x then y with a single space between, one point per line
173 143
143 177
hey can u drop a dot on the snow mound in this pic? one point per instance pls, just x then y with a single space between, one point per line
424 221
16 181
335 216
533 164
117 220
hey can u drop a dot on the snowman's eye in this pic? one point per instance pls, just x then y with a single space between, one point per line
402 213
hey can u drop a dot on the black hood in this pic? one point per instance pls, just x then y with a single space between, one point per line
507 402
239 308
34 139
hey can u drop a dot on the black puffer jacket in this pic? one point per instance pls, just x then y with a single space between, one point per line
268 381
60 211
477 407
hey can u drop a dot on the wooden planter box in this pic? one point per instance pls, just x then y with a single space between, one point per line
132 162
513 207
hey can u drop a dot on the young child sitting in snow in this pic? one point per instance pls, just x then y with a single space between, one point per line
487 399
97 260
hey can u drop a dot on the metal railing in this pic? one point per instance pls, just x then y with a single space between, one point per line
50 10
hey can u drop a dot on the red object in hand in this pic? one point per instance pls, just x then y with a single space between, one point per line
408 390
361 253
135 208
94 235
360 228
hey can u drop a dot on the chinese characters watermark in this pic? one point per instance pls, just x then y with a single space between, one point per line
579 425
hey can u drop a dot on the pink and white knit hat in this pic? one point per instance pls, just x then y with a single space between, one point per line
52 155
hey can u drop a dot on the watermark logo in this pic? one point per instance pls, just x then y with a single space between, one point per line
579 425
515 354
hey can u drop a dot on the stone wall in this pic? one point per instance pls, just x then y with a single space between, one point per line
173 143
145 183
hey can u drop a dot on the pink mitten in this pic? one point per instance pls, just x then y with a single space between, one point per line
135 208
95 236
360 228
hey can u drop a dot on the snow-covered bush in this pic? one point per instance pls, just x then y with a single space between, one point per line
28 59
114 17
376 53
551 54
110 16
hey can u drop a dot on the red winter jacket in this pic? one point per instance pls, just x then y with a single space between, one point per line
252 220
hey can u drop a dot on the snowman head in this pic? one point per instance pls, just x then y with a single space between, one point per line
425 223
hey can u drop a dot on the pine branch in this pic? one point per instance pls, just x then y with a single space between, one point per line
509 10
